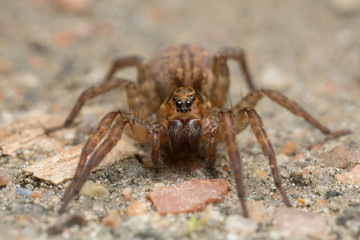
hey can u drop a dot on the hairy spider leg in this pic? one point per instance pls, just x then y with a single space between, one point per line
130 87
129 61
113 130
101 151
234 156
220 90
252 98
91 143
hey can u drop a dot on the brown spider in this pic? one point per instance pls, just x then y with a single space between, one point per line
181 93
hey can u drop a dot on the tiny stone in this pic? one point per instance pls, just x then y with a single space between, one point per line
29 187
351 177
236 224
331 193
262 175
111 218
189 196
4 177
353 144
289 148
93 189
296 223
158 186
23 192
127 194
48 194
136 208
257 211
339 157
37 194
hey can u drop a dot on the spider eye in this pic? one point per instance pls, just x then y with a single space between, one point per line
178 104
175 98
192 98
188 104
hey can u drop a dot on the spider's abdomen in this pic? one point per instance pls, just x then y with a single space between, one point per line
182 65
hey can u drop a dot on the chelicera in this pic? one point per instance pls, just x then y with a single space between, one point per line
181 94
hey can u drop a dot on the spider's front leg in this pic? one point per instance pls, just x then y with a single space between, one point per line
113 125
229 133
266 146
234 156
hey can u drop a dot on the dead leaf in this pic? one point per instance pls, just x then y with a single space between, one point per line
24 134
61 167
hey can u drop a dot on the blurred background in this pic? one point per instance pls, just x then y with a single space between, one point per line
52 50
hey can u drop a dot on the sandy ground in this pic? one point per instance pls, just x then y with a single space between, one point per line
309 50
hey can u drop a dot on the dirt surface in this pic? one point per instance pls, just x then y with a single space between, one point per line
50 51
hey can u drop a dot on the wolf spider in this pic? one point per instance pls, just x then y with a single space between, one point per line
181 94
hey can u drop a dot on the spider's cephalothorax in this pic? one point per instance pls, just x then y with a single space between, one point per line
181 93
184 111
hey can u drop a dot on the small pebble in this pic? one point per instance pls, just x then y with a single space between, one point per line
257 211
351 177
136 208
37 194
296 223
189 196
23 192
289 148
338 157
238 225
93 189
127 194
111 218
262 175
48 194
158 186
332 193
4 177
